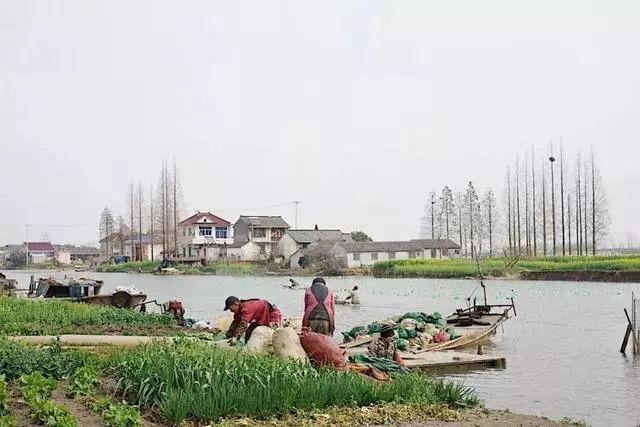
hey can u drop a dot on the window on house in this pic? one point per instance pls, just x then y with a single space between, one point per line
221 232
205 231
392 255
356 256
184 232
374 256
259 233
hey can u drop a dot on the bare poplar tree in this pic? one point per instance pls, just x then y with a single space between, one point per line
132 217
569 225
106 230
471 202
585 205
579 215
518 204
140 200
562 195
447 207
427 222
509 210
600 217
533 199
151 220
527 223
489 203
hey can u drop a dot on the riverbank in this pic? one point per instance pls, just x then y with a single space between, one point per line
202 384
599 268
220 268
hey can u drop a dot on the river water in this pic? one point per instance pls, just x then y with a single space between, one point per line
562 348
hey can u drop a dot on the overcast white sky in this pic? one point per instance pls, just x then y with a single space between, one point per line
357 109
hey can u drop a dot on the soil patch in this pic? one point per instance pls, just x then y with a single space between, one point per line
84 416
19 409
493 418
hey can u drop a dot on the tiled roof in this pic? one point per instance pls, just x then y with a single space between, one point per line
202 217
40 247
264 221
308 236
400 246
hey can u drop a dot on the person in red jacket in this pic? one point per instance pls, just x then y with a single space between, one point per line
319 308
248 315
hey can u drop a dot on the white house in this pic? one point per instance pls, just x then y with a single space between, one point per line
257 238
40 252
358 254
204 235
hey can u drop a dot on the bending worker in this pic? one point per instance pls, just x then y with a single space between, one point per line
386 346
248 315
319 308
354 296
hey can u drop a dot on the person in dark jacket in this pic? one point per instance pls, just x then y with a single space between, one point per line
319 308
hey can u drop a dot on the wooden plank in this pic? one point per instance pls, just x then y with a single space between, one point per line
357 343
633 332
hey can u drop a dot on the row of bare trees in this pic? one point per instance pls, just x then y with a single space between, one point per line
150 218
550 207
463 217
554 207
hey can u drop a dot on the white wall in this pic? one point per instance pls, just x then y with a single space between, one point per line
286 247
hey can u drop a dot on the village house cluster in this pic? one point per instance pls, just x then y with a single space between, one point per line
205 236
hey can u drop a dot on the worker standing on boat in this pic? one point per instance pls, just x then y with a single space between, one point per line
354 296
248 315
319 308
386 346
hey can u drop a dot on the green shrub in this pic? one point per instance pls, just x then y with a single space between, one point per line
17 359
8 421
121 416
84 382
4 396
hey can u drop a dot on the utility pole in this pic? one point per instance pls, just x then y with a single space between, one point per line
296 203
553 202
544 211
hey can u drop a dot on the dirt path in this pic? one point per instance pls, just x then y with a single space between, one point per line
19 409
85 417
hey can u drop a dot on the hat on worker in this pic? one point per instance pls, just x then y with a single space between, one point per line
230 301
319 280
386 331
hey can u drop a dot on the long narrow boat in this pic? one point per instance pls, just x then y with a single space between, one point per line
475 325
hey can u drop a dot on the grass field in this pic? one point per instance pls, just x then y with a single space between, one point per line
497 267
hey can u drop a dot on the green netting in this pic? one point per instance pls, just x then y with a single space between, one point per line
403 345
386 365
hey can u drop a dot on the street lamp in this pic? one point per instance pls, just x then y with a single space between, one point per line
553 204
433 202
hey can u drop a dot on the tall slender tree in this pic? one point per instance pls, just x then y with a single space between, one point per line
106 231
527 223
585 208
151 221
533 199
447 208
131 218
580 207
489 203
509 210
569 225
140 198
562 195
518 204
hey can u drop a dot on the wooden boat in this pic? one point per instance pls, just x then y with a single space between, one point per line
67 288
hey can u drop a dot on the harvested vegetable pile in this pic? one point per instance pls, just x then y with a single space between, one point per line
413 329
